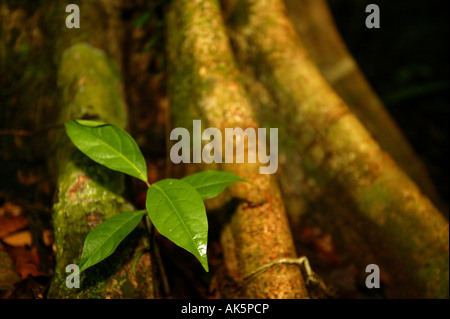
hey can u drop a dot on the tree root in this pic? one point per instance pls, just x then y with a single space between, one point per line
313 21
89 193
204 84
333 172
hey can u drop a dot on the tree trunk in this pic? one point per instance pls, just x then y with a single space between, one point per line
204 84
334 172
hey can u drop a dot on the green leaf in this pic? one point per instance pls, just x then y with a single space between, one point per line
91 123
103 240
178 213
209 184
108 145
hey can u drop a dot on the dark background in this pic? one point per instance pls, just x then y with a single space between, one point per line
406 61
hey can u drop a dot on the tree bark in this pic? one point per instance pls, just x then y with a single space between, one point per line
89 193
204 84
334 173
89 85
314 23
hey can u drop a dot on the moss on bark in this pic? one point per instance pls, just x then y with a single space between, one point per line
205 84
88 193
314 23
346 180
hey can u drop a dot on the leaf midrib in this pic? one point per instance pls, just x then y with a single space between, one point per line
111 235
178 215
121 155
212 184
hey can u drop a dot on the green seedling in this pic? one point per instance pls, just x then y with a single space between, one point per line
175 206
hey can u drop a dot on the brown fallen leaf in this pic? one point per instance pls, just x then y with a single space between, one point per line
9 208
26 261
8 276
22 238
11 224
323 243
